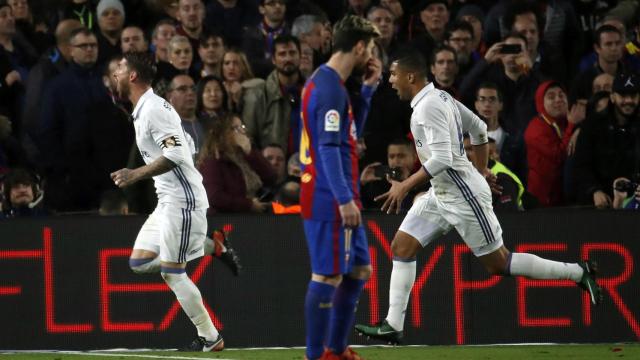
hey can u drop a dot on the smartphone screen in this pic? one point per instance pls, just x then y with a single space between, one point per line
511 49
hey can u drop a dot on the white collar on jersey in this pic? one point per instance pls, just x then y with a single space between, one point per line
416 99
147 94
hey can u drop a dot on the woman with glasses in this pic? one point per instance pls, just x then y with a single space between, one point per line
233 171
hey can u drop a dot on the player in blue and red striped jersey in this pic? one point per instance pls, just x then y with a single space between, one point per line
329 195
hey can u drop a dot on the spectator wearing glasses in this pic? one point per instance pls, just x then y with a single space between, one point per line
182 95
233 170
72 102
258 41
460 37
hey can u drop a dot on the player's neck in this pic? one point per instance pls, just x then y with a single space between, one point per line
136 93
342 63
416 88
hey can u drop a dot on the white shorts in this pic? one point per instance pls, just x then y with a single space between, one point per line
475 221
175 234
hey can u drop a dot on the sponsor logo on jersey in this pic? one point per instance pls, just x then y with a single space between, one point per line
171 141
306 177
145 154
332 121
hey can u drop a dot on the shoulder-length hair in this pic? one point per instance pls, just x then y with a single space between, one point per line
200 90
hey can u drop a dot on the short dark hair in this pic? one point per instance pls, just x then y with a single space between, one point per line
400 141
350 30
517 8
80 31
160 23
286 39
411 60
275 145
210 34
143 64
490 85
457 26
606 28
440 48
20 176
112 201
116 57
200 90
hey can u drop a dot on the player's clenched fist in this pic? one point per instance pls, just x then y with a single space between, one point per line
123 177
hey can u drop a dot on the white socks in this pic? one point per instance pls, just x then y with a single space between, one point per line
403 276
145 265
535 267
190 299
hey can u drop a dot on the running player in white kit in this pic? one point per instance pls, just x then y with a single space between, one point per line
175 232
460 198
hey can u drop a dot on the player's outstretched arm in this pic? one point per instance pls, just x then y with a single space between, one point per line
398 191
125 177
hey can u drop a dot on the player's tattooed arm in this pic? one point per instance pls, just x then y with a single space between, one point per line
125 177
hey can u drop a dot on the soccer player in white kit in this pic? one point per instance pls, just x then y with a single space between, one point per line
175 232
460 198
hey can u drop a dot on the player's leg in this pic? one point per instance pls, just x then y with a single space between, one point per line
479 228
144 257
219 246
358 270
325 278
182 239
421 226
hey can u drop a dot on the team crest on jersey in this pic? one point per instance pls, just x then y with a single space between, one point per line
171 141
332 121
166 105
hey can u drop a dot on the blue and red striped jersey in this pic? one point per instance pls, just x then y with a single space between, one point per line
330 175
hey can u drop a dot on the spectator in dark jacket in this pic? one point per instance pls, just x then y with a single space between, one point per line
71 102
258 40
229 16
110 24
609 145
233 171
191 17
22 196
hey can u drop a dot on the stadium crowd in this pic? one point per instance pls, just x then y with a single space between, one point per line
556 82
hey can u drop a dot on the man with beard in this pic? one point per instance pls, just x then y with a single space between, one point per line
175 232
21 195
274 107
609 144
329 195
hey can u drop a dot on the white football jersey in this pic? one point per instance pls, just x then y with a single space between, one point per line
159 132
438 123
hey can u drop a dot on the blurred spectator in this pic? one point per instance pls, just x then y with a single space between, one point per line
308 29
294 168
113 202
488 105
22 195
306 60
625 194
608 144
401 157
182 95
237 76
287 199
229 17
547 138
233 171
110 23
11 153
275 155
210 51
608 44
30 28
514 76
169 9
434 15
211 99
271 111
132 39
258 41
162 33
72 104
358 7
81 10
602 82
383 19
474 16
444 69
50 64
510 197
191 18
460 37
630 58
180 63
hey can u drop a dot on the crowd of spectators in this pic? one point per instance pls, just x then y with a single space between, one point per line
556 82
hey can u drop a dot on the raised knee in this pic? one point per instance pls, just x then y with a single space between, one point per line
403 248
